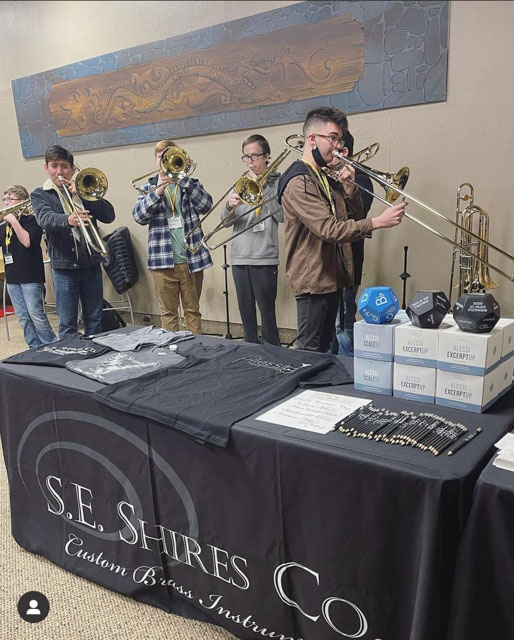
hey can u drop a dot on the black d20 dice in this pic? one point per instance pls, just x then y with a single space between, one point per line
476 312
428 308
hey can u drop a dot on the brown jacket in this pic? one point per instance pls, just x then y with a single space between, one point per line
318 253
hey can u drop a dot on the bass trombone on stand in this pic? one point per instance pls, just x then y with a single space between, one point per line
473 275
91 185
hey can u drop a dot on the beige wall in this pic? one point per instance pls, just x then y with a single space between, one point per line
469 138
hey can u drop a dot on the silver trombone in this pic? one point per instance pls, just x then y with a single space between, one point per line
398 190
91 185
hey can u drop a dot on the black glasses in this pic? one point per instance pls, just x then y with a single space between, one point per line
10 199
332 137
253 157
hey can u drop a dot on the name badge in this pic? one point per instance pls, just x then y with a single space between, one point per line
8 259
175 222
258 227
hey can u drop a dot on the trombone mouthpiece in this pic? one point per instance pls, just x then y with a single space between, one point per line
337 154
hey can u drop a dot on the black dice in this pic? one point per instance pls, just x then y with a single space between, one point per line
428 308
476 312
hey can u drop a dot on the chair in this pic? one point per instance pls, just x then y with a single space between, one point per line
4 308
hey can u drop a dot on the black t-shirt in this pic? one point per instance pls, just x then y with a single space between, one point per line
215 387
57 354
27 264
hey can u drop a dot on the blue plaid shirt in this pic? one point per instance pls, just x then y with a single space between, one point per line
151 209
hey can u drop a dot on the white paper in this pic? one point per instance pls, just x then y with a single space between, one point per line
313 411
505 460
507 442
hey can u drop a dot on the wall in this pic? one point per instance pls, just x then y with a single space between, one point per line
466 139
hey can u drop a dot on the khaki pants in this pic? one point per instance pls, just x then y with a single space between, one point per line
175 286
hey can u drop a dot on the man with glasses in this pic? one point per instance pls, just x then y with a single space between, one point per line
255 252
20 240
321 219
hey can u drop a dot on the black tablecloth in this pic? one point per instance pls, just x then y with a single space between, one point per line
484 579
306 536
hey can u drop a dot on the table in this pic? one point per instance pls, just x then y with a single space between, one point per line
484 579
306 536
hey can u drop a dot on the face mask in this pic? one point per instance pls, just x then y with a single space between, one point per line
318 158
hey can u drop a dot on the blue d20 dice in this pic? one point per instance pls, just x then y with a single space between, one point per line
378 305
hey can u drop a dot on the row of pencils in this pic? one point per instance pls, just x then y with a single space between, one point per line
425 431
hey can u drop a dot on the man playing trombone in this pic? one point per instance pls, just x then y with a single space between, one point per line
76 270
318 228
172 207
255 252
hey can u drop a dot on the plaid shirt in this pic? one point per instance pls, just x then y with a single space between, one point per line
151 209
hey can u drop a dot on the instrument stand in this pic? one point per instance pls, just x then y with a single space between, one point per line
225 266
404 275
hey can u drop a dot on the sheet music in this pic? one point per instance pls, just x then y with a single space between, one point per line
315 411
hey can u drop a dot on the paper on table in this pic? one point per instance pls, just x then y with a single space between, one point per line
313 411
505 460
507 442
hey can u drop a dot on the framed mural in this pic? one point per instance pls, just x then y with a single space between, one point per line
267 69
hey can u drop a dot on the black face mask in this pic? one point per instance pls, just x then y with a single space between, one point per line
318 158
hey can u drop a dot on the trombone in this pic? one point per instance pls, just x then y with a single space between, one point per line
388 181
23 208
91 185
175 163
473 276
251 192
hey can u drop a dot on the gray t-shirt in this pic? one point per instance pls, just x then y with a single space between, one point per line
145 336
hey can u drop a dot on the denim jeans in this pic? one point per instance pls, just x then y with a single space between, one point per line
27 300
343 341
316 315
71 286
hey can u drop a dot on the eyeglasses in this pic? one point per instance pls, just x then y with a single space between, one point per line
334 140
10 199
253 157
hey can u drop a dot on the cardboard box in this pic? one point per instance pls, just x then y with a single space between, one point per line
470 353
375 376
505 371
414 383
375 341
507 326
467 392
416 346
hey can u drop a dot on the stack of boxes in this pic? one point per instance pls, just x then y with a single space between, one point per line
475 369
445 366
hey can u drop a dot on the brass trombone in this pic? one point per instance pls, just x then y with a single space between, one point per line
398 190
23 208
91 185
251 192
473 276
174 163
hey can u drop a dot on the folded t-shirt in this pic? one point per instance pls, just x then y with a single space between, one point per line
57 354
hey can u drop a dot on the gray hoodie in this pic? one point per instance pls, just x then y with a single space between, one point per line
256 247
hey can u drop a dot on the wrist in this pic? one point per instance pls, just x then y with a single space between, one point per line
375 223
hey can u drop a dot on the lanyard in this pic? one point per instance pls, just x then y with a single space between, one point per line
8 235
171 200
324 185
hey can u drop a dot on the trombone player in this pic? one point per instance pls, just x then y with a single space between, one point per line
171 207
76 271
255 252
320 220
